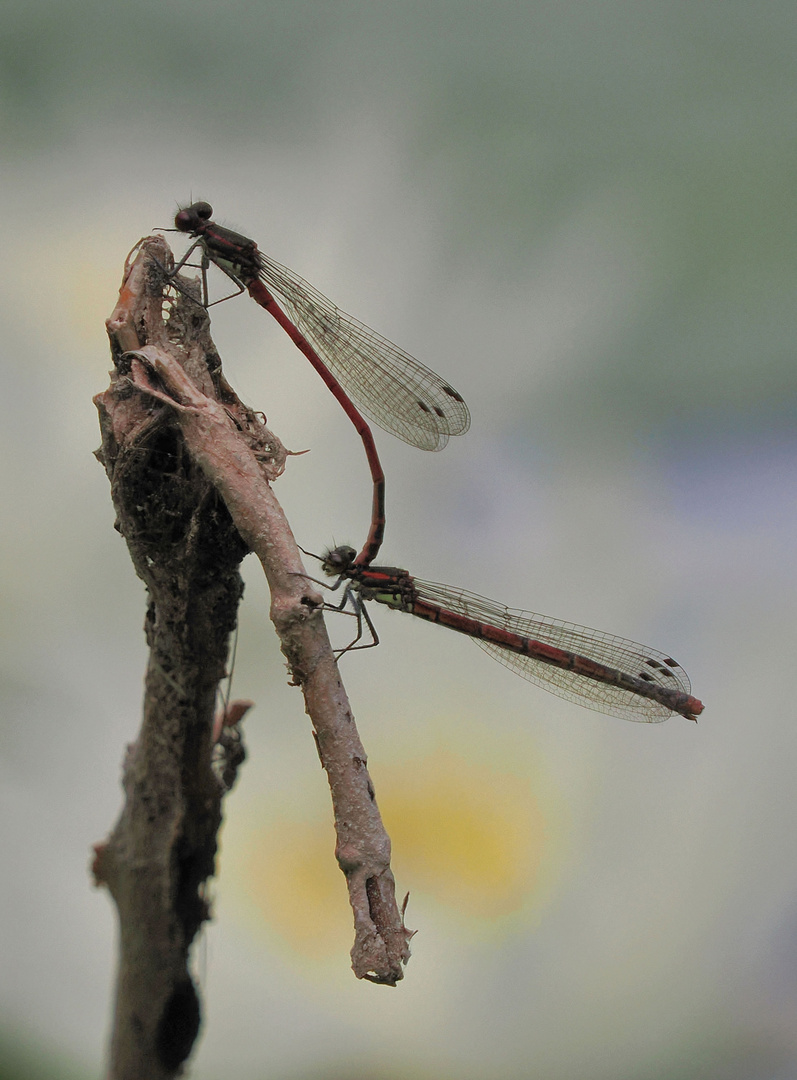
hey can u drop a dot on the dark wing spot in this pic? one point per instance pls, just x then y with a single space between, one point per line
423 405
669 660
645 676
452 393
440 412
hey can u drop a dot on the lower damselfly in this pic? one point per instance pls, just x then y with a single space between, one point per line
600 671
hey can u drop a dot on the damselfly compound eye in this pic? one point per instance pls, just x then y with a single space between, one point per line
189 218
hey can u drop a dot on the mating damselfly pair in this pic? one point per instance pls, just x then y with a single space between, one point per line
600 671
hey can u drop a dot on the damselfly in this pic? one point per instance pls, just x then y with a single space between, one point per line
390 387
600 671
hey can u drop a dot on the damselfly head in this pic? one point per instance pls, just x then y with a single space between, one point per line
191 218
338 560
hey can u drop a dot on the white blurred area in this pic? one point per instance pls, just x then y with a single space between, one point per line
593 898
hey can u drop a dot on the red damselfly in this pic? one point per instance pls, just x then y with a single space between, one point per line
600 671
390 387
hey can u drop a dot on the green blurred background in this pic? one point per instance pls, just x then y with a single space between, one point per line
582 214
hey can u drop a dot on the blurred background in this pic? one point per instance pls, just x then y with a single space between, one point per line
583 216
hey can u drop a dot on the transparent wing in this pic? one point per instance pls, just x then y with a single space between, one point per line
641 665
390 386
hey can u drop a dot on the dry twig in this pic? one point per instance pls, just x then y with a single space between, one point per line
190 469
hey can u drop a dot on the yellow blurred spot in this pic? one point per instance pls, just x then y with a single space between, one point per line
471 838
293 882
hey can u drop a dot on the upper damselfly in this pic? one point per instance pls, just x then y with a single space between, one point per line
390 386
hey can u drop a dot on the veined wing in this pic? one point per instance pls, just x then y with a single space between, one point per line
642 665
391 387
